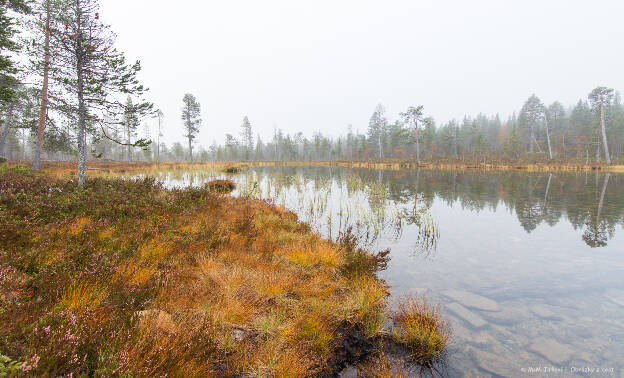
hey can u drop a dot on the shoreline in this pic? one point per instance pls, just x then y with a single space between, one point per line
68 168
397 166
145 280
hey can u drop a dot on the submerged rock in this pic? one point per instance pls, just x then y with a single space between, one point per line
496 364
552 350
467 315
472 300
511 314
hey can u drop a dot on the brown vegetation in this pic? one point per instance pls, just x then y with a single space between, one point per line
220 186
125 277
420 326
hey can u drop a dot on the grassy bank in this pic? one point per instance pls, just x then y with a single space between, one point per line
125 277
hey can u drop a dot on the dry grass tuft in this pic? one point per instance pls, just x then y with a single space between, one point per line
81 296
220 186
420 326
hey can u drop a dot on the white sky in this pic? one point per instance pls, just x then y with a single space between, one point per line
321 65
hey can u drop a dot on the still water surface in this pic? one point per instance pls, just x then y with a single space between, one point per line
528 267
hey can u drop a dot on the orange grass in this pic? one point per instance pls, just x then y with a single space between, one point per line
125 277
420 326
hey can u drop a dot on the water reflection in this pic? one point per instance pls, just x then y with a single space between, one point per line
578 198
335 200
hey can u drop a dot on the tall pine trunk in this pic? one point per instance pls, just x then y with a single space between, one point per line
44 92
604 133
191 148
82 116
128 149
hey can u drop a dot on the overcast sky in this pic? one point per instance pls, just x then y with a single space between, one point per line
321 65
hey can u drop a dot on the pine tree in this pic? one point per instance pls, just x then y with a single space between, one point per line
92 74
191 117
601 98
414 116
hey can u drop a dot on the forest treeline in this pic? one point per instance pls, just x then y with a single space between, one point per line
73 96
538 132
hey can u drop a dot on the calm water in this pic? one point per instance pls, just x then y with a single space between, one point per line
528 267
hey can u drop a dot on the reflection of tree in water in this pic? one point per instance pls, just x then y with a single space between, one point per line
598 233
592 203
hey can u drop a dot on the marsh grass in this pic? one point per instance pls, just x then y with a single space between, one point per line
125 277
420 326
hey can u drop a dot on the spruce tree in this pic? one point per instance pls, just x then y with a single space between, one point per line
8 69
247 141
532 114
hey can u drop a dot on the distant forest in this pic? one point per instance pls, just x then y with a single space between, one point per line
67 93
536 133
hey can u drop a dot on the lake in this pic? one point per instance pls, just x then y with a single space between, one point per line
527 267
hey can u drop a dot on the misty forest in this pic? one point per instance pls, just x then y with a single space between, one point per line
154 221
